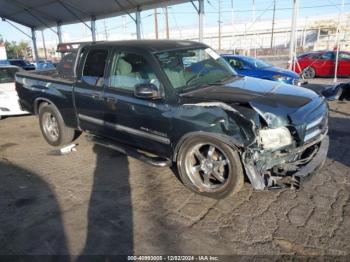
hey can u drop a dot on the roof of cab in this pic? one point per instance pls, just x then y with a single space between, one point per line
153 45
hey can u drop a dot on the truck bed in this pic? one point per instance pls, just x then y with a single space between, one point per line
47 75
35 87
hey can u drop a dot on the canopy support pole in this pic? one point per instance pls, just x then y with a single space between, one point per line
201 20
44 44
93 29
338 45
36 56
59 33
138 23
292 54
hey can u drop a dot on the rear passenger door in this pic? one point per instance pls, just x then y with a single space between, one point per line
141 123
89 88
344 64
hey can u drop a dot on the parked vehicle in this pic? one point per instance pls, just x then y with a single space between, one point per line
249 66
45 65
340 91
22 63
180 103
322 64
4 62
9 105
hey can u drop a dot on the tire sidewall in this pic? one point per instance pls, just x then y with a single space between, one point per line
235 179
49 108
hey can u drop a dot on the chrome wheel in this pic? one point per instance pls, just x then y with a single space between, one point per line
50 126
207 167
309 72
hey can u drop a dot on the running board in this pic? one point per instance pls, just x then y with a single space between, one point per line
152 160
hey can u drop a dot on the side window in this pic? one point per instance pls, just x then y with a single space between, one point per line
327 56
344 56
236 64
129 70
94 67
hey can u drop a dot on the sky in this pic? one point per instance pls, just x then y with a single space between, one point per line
183 16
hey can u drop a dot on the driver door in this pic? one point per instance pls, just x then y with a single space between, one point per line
141 123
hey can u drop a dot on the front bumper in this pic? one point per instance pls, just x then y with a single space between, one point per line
262 178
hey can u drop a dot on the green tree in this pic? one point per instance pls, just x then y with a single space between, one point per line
16 50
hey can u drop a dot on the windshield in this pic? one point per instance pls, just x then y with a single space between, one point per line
194 67
7 75
257 63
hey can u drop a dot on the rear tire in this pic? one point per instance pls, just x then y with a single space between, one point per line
210 167
308 72
52 126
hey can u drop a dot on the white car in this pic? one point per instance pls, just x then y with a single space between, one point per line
9 105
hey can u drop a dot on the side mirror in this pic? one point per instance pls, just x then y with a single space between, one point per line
146 91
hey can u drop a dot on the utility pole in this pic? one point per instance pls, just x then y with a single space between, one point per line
105 27
292 34
156 23
338 44
166 22
219 24
44 45
273 22
253 10
124 24
232 26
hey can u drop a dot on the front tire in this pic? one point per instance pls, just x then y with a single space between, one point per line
52 126
209 167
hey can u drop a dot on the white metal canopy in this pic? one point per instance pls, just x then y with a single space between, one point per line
40 14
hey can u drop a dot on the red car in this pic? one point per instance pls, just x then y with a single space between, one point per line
322 63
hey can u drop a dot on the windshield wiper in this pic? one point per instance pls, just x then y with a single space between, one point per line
220 81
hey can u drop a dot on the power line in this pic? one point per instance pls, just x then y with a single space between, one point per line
270 9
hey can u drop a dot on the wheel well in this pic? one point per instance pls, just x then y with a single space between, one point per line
38 103
232 142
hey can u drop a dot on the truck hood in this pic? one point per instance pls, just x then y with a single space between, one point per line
279 104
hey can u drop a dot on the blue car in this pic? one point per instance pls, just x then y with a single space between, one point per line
249 66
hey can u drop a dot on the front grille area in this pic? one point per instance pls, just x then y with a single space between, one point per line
315 128
295 81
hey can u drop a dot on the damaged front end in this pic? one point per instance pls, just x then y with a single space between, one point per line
298 153
281 130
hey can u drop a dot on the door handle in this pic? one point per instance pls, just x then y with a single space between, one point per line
96 96
110 99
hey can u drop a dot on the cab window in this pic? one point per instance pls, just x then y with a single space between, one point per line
129 70
94 68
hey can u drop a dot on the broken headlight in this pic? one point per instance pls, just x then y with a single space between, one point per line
275 138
